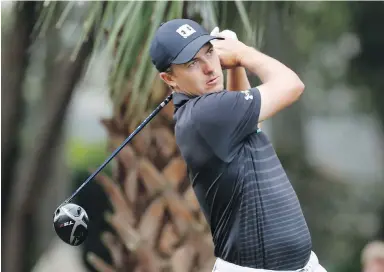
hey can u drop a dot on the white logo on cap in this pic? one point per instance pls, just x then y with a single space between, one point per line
185 31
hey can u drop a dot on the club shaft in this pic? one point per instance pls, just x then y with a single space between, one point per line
117 150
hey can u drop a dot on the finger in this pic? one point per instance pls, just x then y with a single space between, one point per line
215 31
228 34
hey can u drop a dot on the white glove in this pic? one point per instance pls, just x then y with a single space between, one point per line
224 34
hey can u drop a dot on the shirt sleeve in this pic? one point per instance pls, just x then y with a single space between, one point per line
225 119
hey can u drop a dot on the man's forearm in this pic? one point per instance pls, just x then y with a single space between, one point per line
237 79
265 67
280 85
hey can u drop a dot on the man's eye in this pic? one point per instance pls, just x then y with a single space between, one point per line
210 51
192 63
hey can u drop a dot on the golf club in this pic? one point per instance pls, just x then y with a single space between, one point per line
70 220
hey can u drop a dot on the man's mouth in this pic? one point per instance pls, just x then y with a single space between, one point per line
212 81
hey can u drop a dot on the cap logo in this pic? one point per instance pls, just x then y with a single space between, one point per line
185 31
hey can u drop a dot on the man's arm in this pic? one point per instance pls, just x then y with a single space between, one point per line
237 79
280 85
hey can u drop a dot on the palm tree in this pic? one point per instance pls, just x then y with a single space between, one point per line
156 217
30 163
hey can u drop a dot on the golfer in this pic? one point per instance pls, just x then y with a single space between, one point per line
254 214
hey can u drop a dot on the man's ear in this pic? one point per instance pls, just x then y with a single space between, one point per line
168 79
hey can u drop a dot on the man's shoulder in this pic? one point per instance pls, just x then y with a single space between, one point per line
201 107
225 96
208 97
218 105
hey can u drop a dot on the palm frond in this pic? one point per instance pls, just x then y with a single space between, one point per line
87 27
130 26
47 10
124 54
122 17
143 69
64 14
244 16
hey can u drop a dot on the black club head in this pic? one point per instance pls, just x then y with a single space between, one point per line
71 224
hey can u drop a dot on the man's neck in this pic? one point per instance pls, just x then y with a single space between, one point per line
189 94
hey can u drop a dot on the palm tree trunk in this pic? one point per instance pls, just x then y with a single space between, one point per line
155 212
14 62
32 177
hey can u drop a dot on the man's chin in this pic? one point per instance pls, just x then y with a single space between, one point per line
216 88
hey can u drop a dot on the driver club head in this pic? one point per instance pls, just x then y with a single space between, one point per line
71 224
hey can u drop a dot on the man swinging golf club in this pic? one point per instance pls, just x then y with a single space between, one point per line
254 214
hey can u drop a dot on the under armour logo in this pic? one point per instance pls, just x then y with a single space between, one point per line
247 94
185 31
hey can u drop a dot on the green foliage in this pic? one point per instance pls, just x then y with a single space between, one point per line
125 30
316 22
367 68
83 156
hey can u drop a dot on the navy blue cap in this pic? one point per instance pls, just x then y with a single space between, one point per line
177 41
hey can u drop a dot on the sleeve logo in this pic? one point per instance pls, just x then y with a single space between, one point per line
247 95
185 31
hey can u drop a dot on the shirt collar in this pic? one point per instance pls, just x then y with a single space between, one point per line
179 99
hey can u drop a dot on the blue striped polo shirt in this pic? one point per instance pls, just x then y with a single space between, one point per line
248 201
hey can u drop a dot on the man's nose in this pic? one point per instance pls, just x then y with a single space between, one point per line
207 67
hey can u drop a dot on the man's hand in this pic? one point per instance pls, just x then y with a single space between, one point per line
229 50
237 79
225 33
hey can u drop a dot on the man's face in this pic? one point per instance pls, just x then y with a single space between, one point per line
203 74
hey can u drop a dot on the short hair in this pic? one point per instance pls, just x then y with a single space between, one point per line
168 70
373 250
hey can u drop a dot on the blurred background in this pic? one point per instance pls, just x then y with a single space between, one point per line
77 79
